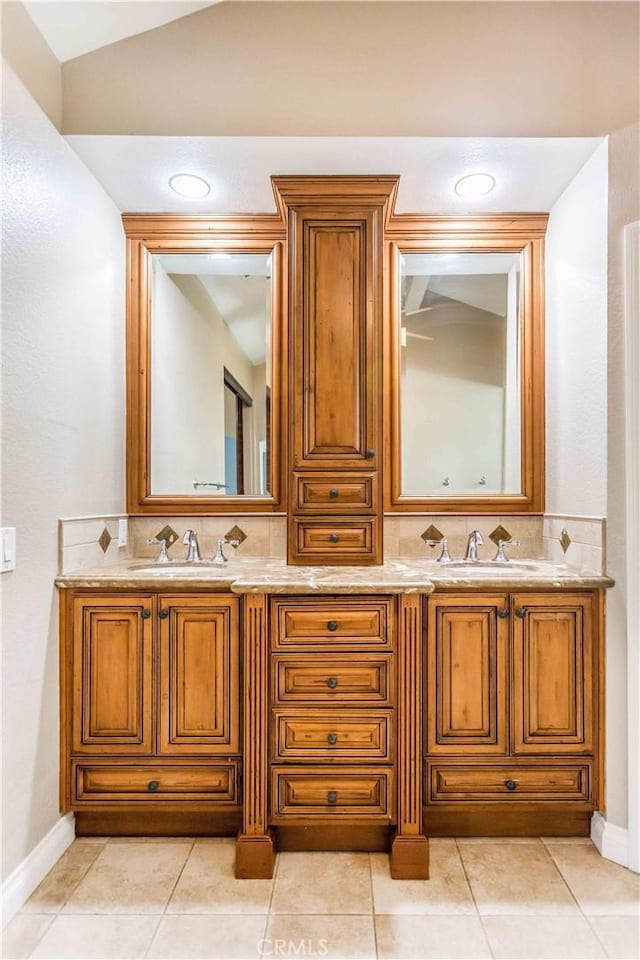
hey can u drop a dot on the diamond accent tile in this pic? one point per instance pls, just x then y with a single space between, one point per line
167 533
565 540
236 534
500 533
105 540
432 533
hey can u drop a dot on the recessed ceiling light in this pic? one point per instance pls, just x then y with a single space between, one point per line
475 185
188 185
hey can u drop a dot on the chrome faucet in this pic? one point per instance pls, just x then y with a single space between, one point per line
444 553
500 556
475 540
190 540
163 556
219 556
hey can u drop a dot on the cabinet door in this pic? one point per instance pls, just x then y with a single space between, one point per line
336 306
553 673
112 675
466 675
199 698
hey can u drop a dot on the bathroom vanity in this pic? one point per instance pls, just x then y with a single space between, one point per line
334 701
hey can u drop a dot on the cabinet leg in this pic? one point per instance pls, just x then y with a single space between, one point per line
255 857
409 858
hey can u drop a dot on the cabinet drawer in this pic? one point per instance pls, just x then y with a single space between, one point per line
326 793
509 782
331 622
127 782
334 494
337 679
335 541
326 735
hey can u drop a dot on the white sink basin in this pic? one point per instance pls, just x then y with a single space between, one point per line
481 566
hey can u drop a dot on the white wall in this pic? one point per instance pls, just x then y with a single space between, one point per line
62 429
624 207
576 344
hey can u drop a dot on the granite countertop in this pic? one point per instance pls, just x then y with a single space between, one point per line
264 575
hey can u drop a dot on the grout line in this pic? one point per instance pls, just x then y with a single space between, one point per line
473 897
180 872
373 909
573 896
52 917
153 935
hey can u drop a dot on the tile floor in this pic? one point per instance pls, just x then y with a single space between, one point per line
537 898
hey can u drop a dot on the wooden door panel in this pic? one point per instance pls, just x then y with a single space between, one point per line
199 701
553 674
112 675
467 704
336 378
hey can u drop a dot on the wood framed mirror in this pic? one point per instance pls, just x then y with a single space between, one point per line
465 364
206 332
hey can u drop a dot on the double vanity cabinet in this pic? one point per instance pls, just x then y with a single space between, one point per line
332 721
338 364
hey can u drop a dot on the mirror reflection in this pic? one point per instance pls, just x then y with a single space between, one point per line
460 373
210 374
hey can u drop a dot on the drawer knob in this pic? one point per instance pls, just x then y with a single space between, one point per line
510 784
332 738
332 797
145 614
504 613
333 493
521 612
163 614
332 683
332 626
334 538
370 454
153 785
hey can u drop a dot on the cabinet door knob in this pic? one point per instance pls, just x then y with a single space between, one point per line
163 614
510 784
521 612
153 785
145 614
333 493
332 626
503 613
332 797
332 683
334 537
370 454
332 738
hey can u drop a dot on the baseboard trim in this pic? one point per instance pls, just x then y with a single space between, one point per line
610 840
20 884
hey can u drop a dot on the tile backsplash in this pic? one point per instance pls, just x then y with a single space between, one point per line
85 542
578 541
259 536
403 535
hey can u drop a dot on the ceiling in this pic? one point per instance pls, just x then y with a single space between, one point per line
530 173
73 28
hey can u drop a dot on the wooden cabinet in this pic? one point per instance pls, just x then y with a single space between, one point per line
335 231
150 696
513 686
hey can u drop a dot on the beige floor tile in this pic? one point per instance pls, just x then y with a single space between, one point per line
332 937
446 890
21 935
96 938
602 888
63 878
580 841
208 884
207 937
323 883
494 840
130 878
423 938
620 936
541 938
518 879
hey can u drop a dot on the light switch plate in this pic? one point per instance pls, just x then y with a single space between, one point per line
123 533
8 544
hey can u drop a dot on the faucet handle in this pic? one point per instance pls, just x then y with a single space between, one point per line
500 556
444 554
219 556
163 556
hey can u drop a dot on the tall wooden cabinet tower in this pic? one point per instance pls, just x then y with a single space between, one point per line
335 229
